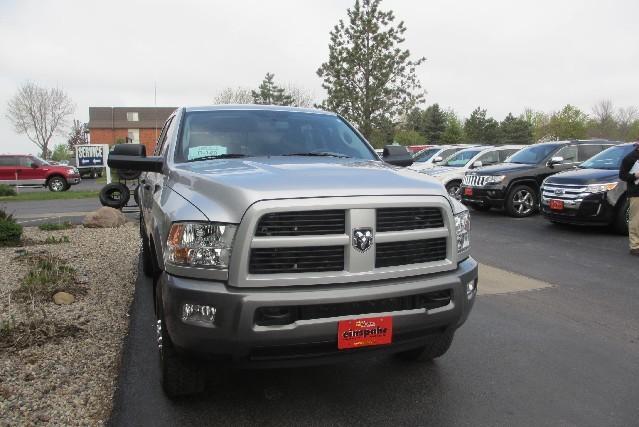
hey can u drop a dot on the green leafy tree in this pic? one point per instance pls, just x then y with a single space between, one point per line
569 123
409 137
539 122
369 78
481 130
454 133
515 130
60 152
382 134
270 94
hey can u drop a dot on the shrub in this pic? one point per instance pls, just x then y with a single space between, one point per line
52 226
51 240
48 275
6 190
10 232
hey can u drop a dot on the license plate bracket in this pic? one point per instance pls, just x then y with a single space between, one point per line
371 331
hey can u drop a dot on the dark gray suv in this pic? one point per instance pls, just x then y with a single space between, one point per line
276 236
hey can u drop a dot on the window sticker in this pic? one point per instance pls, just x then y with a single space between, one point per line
205 151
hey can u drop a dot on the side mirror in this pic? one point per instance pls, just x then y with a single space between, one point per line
438 159
478 164
555 161
133 157
34 165
397 155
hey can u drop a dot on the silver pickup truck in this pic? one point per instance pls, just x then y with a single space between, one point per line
276 236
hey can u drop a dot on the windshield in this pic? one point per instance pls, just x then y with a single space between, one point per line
608 159
461 158
532 155
251 133
426 155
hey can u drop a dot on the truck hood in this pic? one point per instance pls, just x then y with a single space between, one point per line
584 177
224 189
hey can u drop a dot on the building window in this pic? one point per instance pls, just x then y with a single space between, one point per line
132 116
133 136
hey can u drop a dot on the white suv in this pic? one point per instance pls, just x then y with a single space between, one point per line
429 158
452 170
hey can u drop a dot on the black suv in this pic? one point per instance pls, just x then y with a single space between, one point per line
514 185
591 194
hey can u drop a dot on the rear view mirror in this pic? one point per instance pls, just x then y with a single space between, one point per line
477 164
555 161
397 155
133 157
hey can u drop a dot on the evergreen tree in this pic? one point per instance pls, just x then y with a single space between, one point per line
515 130
481 130
434 124
270 94
368 77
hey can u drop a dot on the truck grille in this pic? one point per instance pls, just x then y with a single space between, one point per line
474 180
400 219
410 252
302 223
563 191
296 260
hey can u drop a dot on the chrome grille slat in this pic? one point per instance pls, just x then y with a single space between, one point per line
566 191
474 180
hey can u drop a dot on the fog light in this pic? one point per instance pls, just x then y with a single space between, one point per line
471 288
198 313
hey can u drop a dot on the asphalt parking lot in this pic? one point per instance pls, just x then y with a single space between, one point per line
553 340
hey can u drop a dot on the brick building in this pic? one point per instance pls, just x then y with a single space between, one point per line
140 125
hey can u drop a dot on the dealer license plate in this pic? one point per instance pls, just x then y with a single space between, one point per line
364 332
468 191
556 205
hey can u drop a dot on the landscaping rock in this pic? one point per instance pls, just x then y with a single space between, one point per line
63 298
105 217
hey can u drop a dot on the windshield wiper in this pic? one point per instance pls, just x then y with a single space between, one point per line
319 154
218 156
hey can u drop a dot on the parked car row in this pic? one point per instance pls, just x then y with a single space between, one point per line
573 182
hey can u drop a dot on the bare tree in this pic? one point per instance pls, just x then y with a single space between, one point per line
77 134
603 111
39 113
301 97
238 95
625 118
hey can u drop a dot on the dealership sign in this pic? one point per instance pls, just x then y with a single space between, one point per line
91 155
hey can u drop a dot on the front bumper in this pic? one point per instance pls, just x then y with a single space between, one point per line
591 210
73 179
484 196
236 336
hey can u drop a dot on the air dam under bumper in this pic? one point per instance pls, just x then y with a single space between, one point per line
237 337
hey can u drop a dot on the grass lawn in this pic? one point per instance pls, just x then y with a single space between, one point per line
50 195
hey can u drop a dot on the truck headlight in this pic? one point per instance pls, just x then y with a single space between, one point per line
462 227
496 179
601 188
200 244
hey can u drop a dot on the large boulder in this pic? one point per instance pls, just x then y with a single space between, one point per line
105 217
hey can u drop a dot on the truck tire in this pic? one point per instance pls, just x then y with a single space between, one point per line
136 197
57 183
521 201
179 377
114 195
620 226
435 347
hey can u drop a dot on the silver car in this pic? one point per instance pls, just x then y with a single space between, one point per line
275 236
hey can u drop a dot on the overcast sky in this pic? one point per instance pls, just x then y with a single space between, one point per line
502 55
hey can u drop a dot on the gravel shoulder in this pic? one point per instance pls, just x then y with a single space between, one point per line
69 379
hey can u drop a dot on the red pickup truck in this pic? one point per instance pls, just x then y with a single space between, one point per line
26 170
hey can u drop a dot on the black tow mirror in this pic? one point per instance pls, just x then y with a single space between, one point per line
397 155
133 157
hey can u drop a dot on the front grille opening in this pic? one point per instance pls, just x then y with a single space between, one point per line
285 315
410 252
302 223
411 218
296 260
